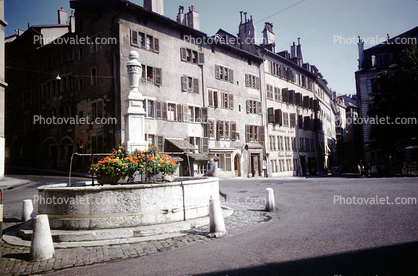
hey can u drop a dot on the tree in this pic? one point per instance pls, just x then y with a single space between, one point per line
395 96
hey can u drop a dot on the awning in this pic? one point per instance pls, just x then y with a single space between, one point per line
200 156
179 145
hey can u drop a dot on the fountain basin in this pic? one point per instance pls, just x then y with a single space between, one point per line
120 206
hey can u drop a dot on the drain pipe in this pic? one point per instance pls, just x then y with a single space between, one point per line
184 201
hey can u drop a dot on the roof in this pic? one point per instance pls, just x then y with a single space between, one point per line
181 144
200 156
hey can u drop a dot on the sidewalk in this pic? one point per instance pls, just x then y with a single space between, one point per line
15 259
10 182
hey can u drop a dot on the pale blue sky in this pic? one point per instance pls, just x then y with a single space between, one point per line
317 22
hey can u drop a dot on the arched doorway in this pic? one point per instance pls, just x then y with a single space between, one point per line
237 167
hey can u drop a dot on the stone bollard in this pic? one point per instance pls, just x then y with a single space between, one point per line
42 247
27 210
217 225
270 204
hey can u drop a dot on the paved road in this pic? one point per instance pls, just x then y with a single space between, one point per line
311 233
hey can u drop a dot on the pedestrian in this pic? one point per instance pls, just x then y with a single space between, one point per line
359 169
212 171
363 171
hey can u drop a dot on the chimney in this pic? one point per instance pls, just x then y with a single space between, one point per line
373 59
299 52
293 50
181 17
193 18
62 16
268 35
72 22
247 34
360 46
156 6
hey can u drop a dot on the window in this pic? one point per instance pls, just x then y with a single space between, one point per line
189 84
269 92
252 81
223 130
191 56
254 107
171 112
224 161
285 119
227 100
93 76
190 113
224 73
145 41
95 45
292 117
211 125
273 166
277 94
254 133
151 75
213 98
149 107
301 145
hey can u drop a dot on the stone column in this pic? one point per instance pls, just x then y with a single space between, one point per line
135 114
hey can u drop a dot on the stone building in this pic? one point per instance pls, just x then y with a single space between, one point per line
207 92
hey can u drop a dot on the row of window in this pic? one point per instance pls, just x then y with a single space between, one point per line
281 143
292 97
145 41
58 59
191 56
276 116
226 99
288 74
175 112
283 165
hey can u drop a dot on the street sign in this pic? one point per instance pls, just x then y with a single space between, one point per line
80 142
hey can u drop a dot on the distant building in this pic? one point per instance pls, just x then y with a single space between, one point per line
261 113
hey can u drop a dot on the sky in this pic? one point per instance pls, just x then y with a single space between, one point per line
327 28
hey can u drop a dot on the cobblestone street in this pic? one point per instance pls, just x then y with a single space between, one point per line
14 259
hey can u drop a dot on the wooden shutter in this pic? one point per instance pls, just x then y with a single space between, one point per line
248 104
311 104
215 99
200 58
231 75
184 84
164 111
257 83
261 134
205 144
292 119
204 114
300 121
160 143
210 98
306 122
285 95
305 101
158 110
316 105
205 127
217 73
183 54
278 117
247 133
231 101
198 114
156 45
292 96
158 76
185 113
297 99
233 131
270 113
134 38
179 113
247 80
259 108
218 129
196 86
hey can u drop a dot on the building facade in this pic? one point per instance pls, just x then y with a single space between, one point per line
261 113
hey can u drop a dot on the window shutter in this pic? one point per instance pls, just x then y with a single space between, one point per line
292 119
198 115
164 111
285 95
278 117
158 76
297 98
179 113
231 101
185 113
311 104
205 127
205 144
300 121
204 114
200 58
231 76
270 113
306 122
215 99
160 143
156 45
259 109
305 102
247 133
261 134
248 103
218 129
183 54
196 86
184 84
233 131
292 96
217 76
247 80
316 105
158 110
257 83
210 98
134 38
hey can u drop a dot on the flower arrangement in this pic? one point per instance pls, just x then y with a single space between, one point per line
121 164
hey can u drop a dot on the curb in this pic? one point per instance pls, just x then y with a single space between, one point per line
10 182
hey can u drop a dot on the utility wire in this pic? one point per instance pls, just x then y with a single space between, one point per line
280 11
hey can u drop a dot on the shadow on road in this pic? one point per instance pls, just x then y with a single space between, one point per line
391 260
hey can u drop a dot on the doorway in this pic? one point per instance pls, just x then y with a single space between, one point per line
237 167
255 166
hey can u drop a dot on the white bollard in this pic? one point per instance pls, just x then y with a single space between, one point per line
27 210
42 247
270 204
217 225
